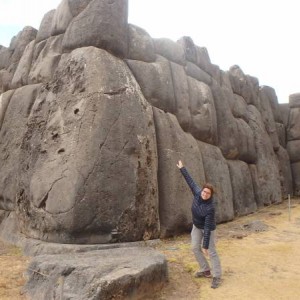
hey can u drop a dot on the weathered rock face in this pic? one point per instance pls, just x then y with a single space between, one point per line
293 140
101 24
89 172
94 115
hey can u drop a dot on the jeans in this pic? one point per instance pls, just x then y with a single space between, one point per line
197 239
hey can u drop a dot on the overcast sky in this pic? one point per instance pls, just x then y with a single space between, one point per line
261 36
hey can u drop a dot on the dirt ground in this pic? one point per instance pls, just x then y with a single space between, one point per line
260 263
257 265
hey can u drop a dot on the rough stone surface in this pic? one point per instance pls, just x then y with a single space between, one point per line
267 164
123 273
20 77
285 172
241 183
44 31
203 112
4 101
102 24
11 139
141 46
45 60
235 137
170 50
217 173
174 194
268 116
293 130
89 172
296 177
156 82
70 142
294 100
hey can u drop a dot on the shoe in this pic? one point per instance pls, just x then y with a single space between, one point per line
215 282
203 274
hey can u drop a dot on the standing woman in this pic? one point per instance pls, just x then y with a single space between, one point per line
203 232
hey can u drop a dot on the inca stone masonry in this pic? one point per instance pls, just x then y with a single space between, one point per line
94 115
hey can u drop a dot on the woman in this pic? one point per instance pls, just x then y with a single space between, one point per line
203 232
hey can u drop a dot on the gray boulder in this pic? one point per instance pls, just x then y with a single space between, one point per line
197 73
244 85
294 100
170 50
20 77
44 31
140 45
11 141
22 39
296 177
89 167
267 163
293 127
181 96
175 198
156 83
5 55
268 116
285 172
4 101
103 24
242 188
45 60
203 112
123 273
217 173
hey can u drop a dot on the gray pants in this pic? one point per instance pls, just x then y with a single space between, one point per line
197 239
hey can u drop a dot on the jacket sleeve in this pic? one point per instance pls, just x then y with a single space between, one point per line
191 183
209 220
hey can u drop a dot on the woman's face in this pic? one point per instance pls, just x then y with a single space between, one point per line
205 194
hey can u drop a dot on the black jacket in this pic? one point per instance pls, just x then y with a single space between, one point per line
203 211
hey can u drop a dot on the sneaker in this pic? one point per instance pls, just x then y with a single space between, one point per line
215 282
202 274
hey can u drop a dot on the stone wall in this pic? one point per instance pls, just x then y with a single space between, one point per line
94 115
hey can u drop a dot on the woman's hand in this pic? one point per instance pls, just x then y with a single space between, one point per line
180 164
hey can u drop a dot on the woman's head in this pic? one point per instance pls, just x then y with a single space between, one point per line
207 191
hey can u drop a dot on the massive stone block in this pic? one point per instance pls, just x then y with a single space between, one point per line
141 46
181 96
5 55
45 59
20 77
170 50
155 80
175 197
235 137
19 44
217 173
293 150
267 163
268 116
44 31
4 101
244 85
285 172
242 188
293 128
11 140
103 24
89 156
203 112
296 177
